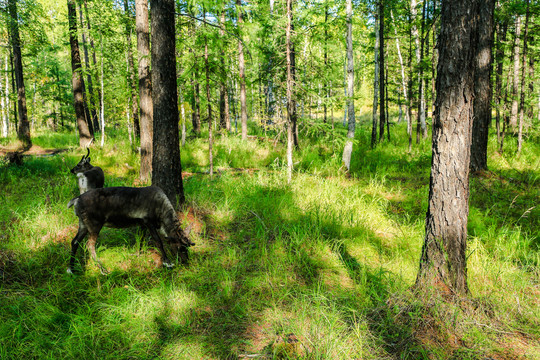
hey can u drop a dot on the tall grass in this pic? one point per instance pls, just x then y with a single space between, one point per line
320 268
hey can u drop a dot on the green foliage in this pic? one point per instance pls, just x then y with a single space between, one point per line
318 269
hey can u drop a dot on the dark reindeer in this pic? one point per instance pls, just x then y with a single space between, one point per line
122 207
88 176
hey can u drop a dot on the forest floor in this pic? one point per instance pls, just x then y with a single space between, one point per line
35 150
321 268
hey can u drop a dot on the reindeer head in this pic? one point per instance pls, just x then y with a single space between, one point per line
83 165
179 242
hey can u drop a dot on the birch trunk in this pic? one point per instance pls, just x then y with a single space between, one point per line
403 78
347 151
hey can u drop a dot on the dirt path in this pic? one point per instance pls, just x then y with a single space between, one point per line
35 150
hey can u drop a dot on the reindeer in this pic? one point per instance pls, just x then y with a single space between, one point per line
122 207
88 176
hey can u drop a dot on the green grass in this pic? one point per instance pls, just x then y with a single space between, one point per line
321 268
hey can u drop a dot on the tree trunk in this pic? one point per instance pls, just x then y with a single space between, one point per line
375 85
483 87
196 102
291 96
403 78
166 165
347 151
501 39
209 105
241 73
515 78
326 70
145 88
85 137
443 263
23 132
6 94
91 113
382 117
523 68
131 74
421 114
224 119
102 100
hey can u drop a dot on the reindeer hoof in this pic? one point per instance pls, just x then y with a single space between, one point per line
168 265
69 271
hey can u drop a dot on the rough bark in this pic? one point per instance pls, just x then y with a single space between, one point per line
483 88
145 87
23 132
90 111
166 166
85 137
443 263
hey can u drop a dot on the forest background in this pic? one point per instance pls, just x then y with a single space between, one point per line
319 266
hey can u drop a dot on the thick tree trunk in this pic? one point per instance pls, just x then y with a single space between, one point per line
85 137
23 132
241 74
166 166
443 263
483 87
91 113
347 151
145 88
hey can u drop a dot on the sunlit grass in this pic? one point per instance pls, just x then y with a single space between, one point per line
321 268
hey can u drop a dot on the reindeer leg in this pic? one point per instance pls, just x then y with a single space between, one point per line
157 239
81 233
91 244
